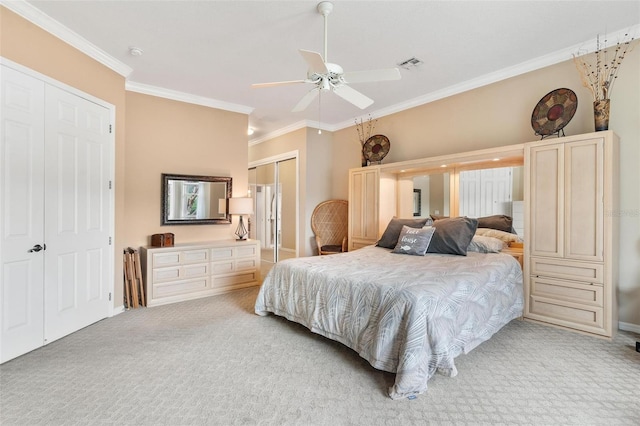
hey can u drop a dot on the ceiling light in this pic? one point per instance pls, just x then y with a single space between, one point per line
135 51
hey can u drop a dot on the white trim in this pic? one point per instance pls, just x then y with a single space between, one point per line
37 17
275 158
186 97
625 326
112 154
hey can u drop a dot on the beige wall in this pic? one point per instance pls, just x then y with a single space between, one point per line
152 136
166 136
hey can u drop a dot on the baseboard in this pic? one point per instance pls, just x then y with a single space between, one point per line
118 310
625 326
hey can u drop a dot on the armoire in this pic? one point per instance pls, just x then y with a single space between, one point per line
571 190
56 204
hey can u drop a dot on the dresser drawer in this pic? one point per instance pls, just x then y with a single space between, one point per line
235 279
567 269
221 253
246 251
568 314
176 288
225 267
567 291
171 258
174 273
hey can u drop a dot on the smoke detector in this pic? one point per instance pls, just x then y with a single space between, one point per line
135 51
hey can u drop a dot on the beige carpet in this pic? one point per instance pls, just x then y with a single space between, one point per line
214 362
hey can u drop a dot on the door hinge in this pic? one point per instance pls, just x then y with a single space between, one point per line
110 128
109 184
109 240
109 296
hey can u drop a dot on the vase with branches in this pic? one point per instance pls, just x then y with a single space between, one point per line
365 130
599 71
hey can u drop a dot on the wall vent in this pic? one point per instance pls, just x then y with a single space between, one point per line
410 63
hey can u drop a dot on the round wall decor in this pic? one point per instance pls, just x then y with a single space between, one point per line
376 148
554 111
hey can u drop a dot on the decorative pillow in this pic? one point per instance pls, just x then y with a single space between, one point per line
414 240
499 222
435 217
390 237
507 237
483 244
452 235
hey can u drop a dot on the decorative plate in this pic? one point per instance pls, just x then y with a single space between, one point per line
554 111
376 148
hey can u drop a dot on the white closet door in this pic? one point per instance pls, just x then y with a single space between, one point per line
78 210
22 208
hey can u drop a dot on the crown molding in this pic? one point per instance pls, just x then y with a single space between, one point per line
503 74
35 16
186 97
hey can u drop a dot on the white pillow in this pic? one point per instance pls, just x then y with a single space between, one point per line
482 244
501 235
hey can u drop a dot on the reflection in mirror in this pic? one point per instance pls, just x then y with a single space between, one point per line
194 200
434 194
496 191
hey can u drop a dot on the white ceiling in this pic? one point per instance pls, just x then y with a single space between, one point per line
214 50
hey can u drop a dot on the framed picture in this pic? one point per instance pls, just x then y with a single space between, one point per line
417 202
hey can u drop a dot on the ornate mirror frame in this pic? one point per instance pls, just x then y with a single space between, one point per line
195 200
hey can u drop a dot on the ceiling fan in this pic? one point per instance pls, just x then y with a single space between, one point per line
331 77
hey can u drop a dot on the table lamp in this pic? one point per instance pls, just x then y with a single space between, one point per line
240 207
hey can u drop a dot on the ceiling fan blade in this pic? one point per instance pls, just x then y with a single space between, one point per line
353 96
279 83
315 61
306 100
372 75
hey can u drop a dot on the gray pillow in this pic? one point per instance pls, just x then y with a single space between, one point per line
452 235
499 221
390 236
414 240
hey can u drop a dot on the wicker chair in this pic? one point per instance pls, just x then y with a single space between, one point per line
329 223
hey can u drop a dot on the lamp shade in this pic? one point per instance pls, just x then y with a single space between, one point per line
241 206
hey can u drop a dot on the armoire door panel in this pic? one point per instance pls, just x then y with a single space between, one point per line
584 201
546 227
22 221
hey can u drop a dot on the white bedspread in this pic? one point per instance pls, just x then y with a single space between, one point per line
409 315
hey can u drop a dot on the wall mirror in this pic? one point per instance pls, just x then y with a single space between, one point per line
195 200
434 194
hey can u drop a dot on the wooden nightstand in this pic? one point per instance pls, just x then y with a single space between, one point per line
516 252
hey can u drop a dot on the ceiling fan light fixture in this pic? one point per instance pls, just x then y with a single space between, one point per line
331 77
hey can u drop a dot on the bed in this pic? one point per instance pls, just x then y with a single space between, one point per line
409 315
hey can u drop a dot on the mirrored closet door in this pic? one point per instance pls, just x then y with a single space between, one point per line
273 188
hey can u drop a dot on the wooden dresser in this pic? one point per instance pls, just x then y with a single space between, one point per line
190 271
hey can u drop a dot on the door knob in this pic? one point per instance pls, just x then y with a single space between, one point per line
37 248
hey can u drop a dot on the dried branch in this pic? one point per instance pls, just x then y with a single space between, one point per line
365 130
600 77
